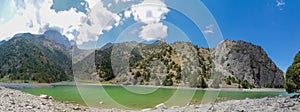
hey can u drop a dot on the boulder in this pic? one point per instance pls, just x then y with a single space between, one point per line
43 96
161 106
146 110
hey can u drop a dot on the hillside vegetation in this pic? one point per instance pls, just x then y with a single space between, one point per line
293 76
34 58
231 64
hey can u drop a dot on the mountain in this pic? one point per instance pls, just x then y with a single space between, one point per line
58 38
34 57
160 42
247 62
106 46
230 64
293 75
2 42
25 35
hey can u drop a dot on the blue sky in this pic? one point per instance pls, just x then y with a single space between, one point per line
275 28
261 22
272 24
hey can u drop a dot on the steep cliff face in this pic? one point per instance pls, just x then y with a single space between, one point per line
249 62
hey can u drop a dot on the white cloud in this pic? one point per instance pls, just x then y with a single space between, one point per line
280 3
153 31
127 0
33 15
92 3
127 14
149 11
116 1
209 29
109 5
101 19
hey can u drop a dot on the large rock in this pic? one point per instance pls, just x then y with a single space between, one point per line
246 61
43 96
161 106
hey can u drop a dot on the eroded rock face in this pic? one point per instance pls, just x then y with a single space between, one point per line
246 61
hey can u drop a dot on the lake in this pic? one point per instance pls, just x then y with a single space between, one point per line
140 97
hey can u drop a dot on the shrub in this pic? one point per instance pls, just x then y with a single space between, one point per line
292 81
228 81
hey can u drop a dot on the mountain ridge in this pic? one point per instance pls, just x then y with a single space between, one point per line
243 65
34 57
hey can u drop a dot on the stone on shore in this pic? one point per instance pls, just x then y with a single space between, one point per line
161 106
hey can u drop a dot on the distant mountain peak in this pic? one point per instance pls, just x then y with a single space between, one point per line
27 35
58 37
2 42
160 42
107 45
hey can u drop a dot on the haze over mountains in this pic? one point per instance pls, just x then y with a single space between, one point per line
47 58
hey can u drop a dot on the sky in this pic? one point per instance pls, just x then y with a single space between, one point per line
272 24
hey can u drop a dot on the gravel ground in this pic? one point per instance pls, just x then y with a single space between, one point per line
17 101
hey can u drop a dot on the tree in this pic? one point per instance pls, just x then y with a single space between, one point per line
202 82
137 75
292 81
245 84
168 81
228 81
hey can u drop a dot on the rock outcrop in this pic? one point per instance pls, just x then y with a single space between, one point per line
246 61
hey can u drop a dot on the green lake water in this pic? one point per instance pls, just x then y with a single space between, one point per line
140 97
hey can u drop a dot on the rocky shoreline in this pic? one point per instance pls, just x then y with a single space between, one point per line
25 85
17 101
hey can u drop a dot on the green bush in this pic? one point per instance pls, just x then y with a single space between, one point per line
245 84
292 81
228 81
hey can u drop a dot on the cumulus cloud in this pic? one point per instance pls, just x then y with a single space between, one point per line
35 15
209 29
100 19
150 13
150 31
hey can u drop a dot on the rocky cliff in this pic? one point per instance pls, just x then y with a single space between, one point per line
249 62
